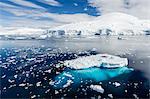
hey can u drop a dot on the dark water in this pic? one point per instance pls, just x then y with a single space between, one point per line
28 66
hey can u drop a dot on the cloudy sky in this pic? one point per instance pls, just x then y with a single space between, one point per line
49 13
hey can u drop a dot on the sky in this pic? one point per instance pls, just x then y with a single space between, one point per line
51 13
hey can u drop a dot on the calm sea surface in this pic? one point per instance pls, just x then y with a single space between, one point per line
24 64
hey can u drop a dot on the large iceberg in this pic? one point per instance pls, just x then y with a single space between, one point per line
93 68
99 60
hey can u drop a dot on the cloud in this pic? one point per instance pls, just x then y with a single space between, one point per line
138 8
69 18
26 3
50 2
52 21
4 5
39 17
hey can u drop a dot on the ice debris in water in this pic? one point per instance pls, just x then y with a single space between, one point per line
38 84
33 96
117 84
135 96
99 60
69 82
110 95
97 88
22 85
56 92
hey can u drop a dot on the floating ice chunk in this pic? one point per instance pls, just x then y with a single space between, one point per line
99 60
47 91
48 71
12 86
22 85
56 92
38 84
33 96
51 82
3 76
110 95
116 84
69 82
15 76
31 59
11 81
136 97
97 88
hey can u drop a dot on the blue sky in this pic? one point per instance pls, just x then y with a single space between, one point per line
49 13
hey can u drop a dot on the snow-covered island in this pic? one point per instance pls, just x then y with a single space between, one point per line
107 24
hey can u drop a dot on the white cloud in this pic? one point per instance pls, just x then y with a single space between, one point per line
54 20
69 18
138 8
30 18
26 3
51 2
4 5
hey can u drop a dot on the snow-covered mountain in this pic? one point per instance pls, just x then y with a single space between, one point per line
108 24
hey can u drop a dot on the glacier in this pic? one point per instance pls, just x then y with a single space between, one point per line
108 24
76 74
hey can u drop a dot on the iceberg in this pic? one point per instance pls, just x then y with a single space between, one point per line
93 74
94 68
99 60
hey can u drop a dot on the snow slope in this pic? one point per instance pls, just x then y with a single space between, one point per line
109 24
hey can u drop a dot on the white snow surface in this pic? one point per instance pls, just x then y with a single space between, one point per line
117 23
105 60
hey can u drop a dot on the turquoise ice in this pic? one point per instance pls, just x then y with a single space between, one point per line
92 74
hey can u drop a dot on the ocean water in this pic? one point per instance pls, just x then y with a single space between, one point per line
29 66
